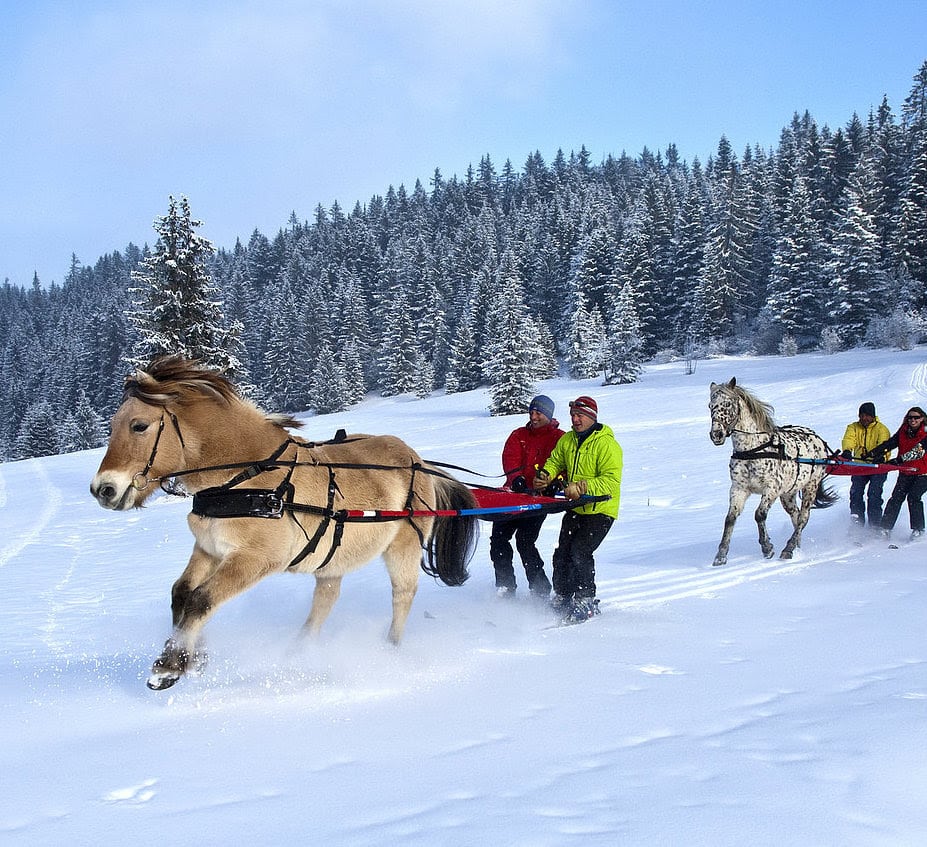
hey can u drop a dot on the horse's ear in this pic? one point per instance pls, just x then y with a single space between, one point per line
733 382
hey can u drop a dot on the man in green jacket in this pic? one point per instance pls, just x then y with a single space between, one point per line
589 460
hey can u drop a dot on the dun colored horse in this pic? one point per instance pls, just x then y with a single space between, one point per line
769 460
266 501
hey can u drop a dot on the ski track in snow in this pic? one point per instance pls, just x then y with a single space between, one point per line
666 585
919 380
51 498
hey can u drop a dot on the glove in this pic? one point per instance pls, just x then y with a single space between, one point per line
519 485
541 480
575 490
915 453
555 487
846 455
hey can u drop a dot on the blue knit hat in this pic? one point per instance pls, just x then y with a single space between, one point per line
543 404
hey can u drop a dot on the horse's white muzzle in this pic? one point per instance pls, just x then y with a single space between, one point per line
114 491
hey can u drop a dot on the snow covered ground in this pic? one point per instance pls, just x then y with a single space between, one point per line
763 703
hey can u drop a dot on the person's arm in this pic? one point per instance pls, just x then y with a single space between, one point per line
878 452
513 459
850 442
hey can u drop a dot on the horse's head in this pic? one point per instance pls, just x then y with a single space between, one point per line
724 409
145 444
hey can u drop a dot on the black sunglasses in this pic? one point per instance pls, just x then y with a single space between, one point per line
914 418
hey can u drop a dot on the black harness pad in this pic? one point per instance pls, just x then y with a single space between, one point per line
237 503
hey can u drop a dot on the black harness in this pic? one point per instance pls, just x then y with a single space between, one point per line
772 449
230 501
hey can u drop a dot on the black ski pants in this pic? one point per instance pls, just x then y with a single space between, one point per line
525 530
908 487
573 563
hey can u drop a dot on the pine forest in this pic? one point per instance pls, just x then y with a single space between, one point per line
500 278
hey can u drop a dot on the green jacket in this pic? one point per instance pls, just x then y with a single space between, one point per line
859 438
597 461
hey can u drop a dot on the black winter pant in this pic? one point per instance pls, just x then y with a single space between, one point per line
525 531
908 487
574 566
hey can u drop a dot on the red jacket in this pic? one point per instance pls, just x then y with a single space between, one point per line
528 448
906 442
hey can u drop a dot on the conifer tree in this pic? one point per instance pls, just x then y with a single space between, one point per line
796 283
510 353
464 370
399 354
854 270
625 346
588 342
38 431
328 390
177 307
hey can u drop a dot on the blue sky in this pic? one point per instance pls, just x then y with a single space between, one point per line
256 110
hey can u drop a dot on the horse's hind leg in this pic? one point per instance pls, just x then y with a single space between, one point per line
799 516
327 591
737 500
762 512
403 560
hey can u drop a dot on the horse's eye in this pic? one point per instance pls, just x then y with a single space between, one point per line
139 426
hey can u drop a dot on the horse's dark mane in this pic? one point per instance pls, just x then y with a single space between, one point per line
175 379
761 411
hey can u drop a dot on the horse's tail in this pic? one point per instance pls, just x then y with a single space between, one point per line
453 540
824 497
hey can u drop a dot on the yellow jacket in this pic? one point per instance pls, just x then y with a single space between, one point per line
861 439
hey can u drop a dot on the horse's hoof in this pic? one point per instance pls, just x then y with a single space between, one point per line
785 554
768 554
718 562
160 681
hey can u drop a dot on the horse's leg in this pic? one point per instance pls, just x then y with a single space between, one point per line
762 512
799 516
179 654
737 500
197 570
194 598
327 591
403 558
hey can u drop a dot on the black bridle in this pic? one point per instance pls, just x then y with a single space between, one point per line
143 474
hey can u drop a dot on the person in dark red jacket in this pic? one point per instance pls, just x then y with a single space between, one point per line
911 441
526 449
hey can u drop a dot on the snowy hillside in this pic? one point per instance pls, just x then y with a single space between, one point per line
765 702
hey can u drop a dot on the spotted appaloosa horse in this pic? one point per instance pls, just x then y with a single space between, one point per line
178 419
764 462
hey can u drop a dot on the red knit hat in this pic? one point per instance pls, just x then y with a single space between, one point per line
586 405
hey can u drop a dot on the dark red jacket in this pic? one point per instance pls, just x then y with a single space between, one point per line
528 448
906 442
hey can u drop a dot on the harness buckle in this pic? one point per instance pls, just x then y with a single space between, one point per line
273 505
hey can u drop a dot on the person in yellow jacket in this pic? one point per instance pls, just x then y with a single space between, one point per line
589 459
858 440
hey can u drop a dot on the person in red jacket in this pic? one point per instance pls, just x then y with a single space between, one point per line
911 441
525 450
